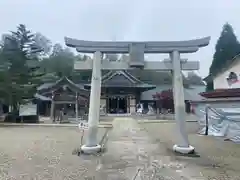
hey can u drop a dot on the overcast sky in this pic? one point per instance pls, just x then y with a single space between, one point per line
137 20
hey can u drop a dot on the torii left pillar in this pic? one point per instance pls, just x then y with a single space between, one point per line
92 145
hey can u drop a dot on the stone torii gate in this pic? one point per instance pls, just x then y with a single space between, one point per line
136 51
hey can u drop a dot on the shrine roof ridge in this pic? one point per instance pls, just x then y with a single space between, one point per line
51 87
149 46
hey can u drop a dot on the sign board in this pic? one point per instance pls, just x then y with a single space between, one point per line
83 125
28 110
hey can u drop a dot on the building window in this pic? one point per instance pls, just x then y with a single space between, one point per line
232 78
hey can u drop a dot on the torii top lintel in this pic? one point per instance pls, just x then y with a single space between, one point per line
189 46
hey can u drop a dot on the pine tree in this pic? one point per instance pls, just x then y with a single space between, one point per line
60 62
209 86
20 66
226 49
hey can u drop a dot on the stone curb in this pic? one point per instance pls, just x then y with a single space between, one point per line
161 121
53 125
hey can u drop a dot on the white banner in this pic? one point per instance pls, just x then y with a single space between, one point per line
28 110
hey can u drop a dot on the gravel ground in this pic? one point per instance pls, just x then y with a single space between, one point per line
215 159
45 153
42 153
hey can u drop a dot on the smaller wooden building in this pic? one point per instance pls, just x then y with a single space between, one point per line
63 95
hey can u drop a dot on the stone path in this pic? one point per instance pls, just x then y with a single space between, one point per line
130 149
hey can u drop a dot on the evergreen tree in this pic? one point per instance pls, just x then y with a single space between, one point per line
209 86
60 62
19 67
226 49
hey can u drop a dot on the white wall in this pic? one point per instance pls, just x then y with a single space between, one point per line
220 81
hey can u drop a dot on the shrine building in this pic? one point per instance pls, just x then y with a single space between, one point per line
121 91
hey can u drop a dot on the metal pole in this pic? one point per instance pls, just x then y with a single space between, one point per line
206 118
76 107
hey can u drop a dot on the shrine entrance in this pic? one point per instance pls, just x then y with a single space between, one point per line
117 105
120 91
136 51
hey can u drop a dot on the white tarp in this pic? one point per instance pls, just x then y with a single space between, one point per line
28 110
222 122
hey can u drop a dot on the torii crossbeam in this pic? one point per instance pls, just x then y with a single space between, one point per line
136 51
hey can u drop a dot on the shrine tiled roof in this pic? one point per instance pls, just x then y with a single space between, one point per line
51 87
222 93
123 79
